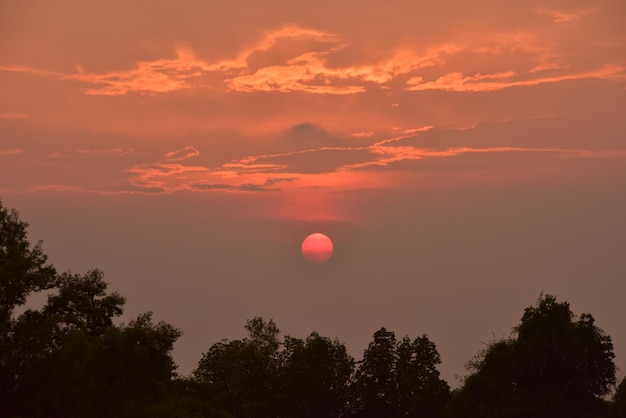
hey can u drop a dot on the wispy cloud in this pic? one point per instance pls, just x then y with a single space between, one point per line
594 154
183 71
366 163
30 70
11 151
73 153
364 134
456 81
182 154
338 168
13 115
159 76
311 73
560 16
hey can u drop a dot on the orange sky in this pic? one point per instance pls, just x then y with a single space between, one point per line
374 121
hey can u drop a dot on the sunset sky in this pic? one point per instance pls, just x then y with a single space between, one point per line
464 157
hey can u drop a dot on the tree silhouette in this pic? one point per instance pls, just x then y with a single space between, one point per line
23 269
68 359
124 369
421 391
619 401
375 387
245 372
556 365
399 379
259 376
315 376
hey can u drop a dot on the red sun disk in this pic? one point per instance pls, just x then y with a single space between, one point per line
317 248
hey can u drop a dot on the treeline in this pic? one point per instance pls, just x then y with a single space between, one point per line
68 359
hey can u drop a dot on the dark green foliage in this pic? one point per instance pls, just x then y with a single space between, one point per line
245 372
559 353
399 379
375 387
83 304
619 401
80 304
23 269
315 376
421 391
122 370
261 377
186 398
555 365
491 390
67 359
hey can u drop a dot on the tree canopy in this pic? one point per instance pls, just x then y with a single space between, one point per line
555 364
68 359
262 376
399 378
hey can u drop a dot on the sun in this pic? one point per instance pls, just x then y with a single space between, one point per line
317 248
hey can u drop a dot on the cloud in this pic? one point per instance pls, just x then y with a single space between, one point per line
291 31
171 174
246 187
349 166
306 132
249 187
11 151
296 59
366 163
310 72
89 152
594 154
306 71
418 130
57 188
319 160
457 82
127 188
158 76
30 70
561 16
207 186
364 134
13 115
184 71
273 180
182 154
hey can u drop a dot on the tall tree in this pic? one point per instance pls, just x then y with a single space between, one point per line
23 266
421 391
375 380
125 369
315 376
79 303
23 269
260 376
556 364
399 378
245 372
67 358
